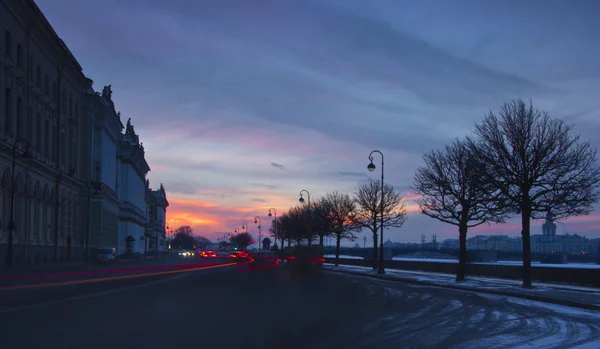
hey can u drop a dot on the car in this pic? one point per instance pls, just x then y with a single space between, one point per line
105 255
207 254
256 260
303 259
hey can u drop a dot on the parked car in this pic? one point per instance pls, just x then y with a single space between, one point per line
106 255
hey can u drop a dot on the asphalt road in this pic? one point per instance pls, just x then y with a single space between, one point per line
273 308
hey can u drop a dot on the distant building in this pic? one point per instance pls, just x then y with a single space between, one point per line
450 244
131 189
156 203
494 242
549 242
102 129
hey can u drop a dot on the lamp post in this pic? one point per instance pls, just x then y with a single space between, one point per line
274 225
91 191
166 243
309 210
11 224
258 220
371 167
245 226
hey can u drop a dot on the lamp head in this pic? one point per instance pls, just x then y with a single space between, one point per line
371 167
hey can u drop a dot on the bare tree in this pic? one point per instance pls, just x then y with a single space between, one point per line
368 212
454 191
321 222
342 208
242 240
538 166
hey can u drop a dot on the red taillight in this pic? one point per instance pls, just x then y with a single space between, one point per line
318 260
290 258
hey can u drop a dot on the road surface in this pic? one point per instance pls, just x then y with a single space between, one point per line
224 306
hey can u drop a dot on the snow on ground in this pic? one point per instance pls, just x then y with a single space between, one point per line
479 282
342 256
505 322
517 263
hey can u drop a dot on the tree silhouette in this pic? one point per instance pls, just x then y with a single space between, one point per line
342 208
321 222
242 240
368 212
537 165
184 238
455 191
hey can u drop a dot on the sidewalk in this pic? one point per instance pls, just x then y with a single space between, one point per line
573 296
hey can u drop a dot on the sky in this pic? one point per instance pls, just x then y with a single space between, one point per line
241 104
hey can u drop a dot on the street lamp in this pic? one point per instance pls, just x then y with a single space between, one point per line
274 225
92 190
259 221
371 167
245 226
309 210
302 198
11 224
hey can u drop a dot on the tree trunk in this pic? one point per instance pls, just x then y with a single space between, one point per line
321 238
462 259
375 254
338 239
526 234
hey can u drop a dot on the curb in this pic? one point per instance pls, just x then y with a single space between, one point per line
551 300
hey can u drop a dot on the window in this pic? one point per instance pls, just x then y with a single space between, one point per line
63 150
46 84
53 145
8 43
75 162
38 76
19 56
30 125
19 116
63 105
38 133
47 138
71 160
8 115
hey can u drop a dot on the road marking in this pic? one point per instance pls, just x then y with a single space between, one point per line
104 293
85 281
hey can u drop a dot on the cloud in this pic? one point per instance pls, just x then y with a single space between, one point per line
217 88
353 174
278 166
259 200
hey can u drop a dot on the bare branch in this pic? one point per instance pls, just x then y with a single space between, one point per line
368 212
537 165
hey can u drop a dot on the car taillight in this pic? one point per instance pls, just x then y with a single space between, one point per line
318 260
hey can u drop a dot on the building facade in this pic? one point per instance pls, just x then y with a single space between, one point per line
156 201
131 189
41 87
78 181
102 132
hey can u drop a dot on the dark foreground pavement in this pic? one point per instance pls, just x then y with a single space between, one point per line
271 308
